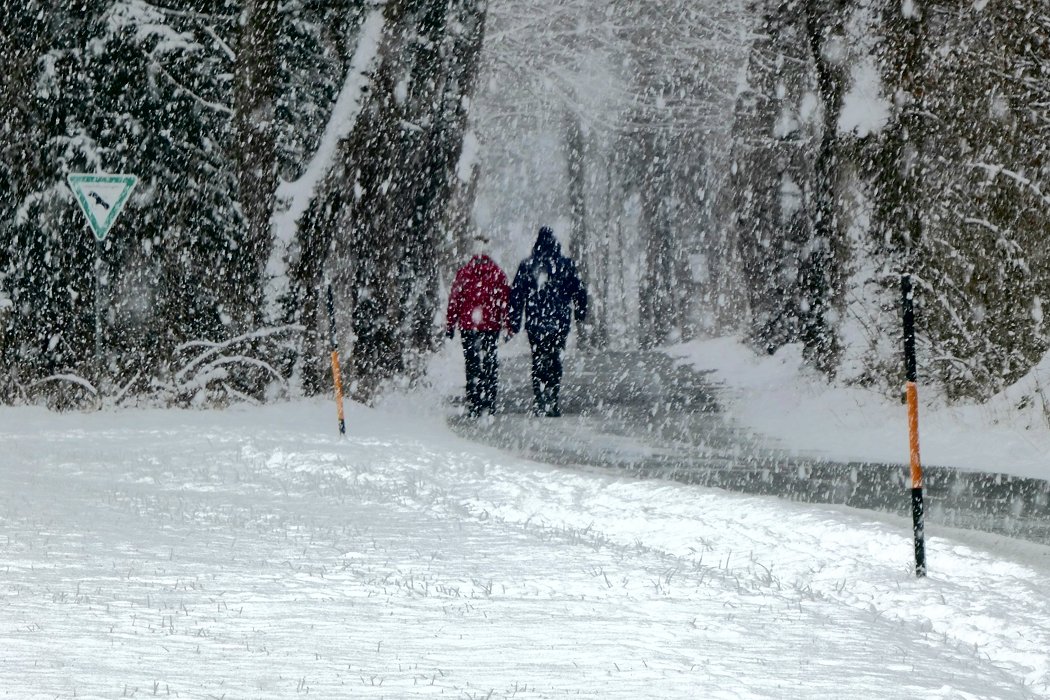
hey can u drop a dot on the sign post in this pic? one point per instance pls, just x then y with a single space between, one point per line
912 392
337 376
101 197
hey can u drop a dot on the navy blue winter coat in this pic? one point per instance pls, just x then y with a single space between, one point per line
547 290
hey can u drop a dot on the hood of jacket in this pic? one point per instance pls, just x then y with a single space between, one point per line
547 246
481 260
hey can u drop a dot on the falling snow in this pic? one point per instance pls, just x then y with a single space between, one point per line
740 186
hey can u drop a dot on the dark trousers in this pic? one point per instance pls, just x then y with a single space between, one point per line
479 353
546 372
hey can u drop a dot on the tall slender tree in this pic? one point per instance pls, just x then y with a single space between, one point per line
821 256
255 95
580 249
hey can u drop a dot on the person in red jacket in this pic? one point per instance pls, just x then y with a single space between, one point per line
477 306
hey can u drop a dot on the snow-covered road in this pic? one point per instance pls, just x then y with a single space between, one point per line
250 554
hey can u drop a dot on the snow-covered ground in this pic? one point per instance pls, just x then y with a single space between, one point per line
251 553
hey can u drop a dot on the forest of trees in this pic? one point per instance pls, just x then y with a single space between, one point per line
766 168
904 136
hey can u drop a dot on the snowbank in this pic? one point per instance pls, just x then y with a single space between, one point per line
779 397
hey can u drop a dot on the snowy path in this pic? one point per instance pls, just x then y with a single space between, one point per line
640 410
647 413
247 555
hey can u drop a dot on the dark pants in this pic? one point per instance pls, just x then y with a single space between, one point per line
479 353
546 372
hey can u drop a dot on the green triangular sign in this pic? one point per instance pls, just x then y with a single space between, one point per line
101 197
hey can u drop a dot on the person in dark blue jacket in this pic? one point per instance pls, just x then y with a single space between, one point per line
548 292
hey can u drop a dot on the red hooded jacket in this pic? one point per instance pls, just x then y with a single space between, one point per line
479 297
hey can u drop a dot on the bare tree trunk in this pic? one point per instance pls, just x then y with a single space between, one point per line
305 275
374 224
255 92
577 194
901 175
754 184
601 270
425 70
821 262
657 307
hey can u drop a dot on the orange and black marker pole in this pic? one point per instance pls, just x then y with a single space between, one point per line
912 392
337 376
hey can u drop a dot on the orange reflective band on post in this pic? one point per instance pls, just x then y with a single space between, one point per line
337 379
913 434
337 376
